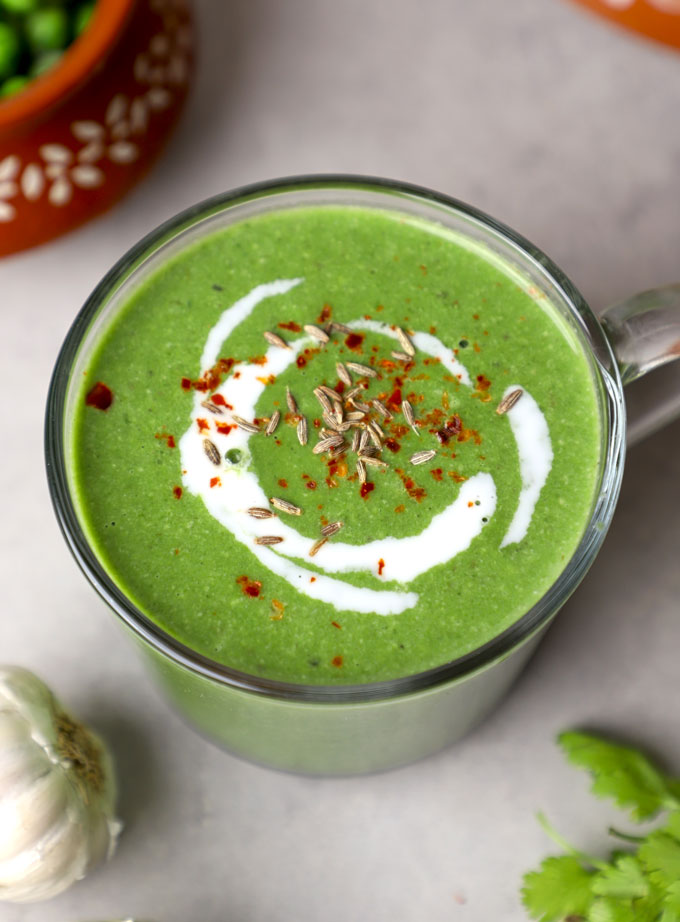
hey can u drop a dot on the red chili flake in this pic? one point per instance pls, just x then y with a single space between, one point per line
483 383
283 483
277 610
476 347
312 579
211 379
202 424
336 661
445 400
176 551
453 427
258 360
454 475
395 398
335 624
437 473
167 438
433 329
366 488
354 341
224 428
381 566
400 508
311 484
100 396
250 587
316 423
423 269
398 430
393 445
178 492
292 326
268 380
220 401
300 361
237 374
326 314
380 307
215 482
414 491
470 504
387 364
339 387
475 316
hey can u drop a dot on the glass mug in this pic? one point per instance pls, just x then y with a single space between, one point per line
352 729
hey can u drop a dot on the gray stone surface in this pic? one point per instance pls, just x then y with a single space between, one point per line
568 131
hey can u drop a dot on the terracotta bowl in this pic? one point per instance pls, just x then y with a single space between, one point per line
657 19
75 141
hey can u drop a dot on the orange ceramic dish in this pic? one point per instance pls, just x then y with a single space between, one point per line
75 140
657 19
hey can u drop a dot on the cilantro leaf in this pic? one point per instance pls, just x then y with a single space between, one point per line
672 904
660 855
672 827
611 910
625 879
621 773
560 888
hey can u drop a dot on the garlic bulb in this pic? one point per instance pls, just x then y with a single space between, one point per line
57 792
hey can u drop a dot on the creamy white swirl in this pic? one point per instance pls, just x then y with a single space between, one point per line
403 559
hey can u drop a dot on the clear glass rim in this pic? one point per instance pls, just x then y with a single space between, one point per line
473 661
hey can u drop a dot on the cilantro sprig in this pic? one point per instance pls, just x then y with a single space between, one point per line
640 883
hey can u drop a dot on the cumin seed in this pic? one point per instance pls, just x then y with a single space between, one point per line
291 402
341 327
273 423
302 430
284 506
420 457
326 444
331 529
381 408
343 374
212 407
406 343
258 512
508 402
324 402
361 471
401 356
268 539
316 333
407 410
316 547
275 340
244 424
364 370
212 451
371 461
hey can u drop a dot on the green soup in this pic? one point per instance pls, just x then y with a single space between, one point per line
453 518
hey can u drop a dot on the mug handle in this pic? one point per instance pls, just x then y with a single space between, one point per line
644 332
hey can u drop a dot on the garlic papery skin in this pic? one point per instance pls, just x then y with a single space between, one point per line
57 792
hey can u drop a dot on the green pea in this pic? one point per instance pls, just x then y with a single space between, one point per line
20 7
9 51
82 17
13 85
44 62
47 29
